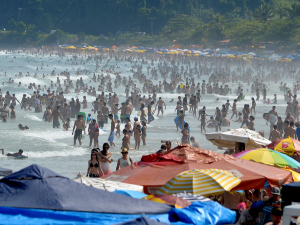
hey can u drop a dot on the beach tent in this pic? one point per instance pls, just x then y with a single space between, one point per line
40 188
154 170
232 137
4 171
106 185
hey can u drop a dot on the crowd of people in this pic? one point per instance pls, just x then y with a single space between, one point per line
176 74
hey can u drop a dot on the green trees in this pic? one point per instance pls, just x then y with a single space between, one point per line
108 22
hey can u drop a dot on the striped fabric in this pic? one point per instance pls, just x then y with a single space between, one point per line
192 197
203 182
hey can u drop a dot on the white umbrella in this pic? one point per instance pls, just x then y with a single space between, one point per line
228 138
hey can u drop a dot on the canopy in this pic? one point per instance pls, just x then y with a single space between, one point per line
4 171
154 170
228 138
40 188
106 185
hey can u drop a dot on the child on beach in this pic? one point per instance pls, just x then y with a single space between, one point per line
178 108
251 123
143 130
275 99
89 119
66 126
185 134
240 119
118 133
96 136
211 122
137 137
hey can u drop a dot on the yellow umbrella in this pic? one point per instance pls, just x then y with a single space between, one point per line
296 176
89 47
71 47
203 182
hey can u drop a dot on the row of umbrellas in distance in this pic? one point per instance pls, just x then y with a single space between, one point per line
232 53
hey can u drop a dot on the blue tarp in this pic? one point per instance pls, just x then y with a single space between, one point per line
133 194
203 213
17 216
142 221
40 188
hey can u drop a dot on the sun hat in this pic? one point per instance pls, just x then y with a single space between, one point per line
124 150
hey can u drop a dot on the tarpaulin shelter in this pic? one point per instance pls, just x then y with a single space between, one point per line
232 137
19 216
154 170
40 188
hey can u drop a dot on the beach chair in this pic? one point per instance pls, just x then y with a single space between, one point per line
265 215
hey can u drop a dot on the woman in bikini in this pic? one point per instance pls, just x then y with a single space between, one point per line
94 166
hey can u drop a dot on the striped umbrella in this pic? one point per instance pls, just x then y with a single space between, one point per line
204 182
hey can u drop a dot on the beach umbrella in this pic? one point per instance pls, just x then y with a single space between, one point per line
268 157
168 199
296 176
133 47
287 146
204 182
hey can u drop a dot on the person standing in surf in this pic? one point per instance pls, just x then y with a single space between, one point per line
79 124
112 130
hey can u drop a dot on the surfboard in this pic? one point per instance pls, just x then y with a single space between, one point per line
244 97
180 124
19 156
272 118
228 90
84 115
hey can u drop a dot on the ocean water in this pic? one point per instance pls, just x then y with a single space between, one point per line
53 148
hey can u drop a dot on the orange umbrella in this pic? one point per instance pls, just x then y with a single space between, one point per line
114 46
157 169
133 47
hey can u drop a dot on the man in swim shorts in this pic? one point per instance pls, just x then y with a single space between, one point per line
160 104
79 124
56 115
